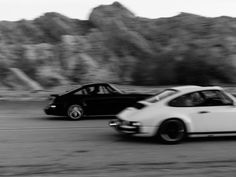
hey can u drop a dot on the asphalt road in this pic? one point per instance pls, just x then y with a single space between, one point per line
33 144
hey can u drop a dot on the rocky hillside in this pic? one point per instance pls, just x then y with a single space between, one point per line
114 45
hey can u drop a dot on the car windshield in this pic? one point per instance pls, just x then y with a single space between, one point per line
162 95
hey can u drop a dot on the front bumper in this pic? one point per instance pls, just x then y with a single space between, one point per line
125 127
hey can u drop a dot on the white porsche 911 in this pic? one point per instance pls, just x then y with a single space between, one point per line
179 112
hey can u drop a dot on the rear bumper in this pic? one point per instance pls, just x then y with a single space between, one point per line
126 129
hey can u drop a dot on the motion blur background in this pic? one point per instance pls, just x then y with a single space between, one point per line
52 45
114 45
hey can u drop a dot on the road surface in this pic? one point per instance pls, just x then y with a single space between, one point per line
33 144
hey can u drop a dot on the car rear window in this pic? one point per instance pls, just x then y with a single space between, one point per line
188 100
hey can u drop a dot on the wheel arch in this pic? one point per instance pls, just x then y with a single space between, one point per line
74 101
68 103
186 121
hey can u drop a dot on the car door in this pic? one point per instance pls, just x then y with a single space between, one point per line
95 104
107 103
103 102
215 115
119 102
188 105
90 98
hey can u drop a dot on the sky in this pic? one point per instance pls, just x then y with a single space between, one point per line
12 10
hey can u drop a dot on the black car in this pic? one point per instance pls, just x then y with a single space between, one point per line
100 99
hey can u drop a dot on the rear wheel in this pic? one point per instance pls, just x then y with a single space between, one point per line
172 131
75 112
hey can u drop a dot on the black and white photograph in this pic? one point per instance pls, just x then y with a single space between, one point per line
121 88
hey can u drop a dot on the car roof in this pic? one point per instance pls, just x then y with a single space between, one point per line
193 88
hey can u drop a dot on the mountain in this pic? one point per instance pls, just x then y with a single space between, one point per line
115 45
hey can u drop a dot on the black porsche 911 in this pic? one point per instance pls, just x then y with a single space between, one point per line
100 99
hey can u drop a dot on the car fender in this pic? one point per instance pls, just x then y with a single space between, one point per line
149 117
167 113
70 101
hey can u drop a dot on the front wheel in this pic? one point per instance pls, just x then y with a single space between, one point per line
75 112
172 131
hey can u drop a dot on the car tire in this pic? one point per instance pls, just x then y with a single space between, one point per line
75 112
172 131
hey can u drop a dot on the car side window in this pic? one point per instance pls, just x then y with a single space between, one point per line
109 90
104 90
94 90
99 90
81 92
86 91
188 100
216 98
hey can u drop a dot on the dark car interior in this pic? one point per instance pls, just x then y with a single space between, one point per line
97 89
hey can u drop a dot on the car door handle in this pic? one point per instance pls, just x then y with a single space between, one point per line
203 112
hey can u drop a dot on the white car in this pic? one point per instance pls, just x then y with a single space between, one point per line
179 112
